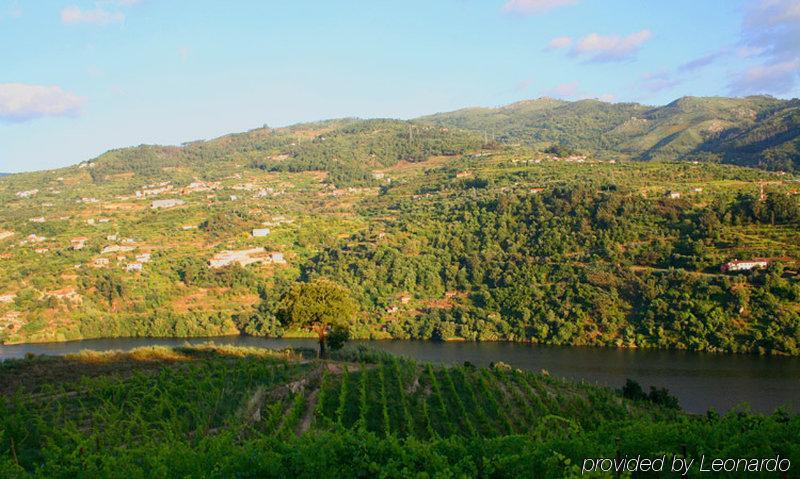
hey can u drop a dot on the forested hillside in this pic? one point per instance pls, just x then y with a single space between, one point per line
437 230
752 131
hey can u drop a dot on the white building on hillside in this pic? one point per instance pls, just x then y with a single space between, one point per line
170 203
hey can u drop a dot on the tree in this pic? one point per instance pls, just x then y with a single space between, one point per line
109 285
633 390
320 306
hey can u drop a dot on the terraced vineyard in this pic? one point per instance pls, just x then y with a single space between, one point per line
214 411
402 398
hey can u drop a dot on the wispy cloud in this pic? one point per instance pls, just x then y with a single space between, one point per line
105 12
534 7
98 16
610 48
559 42
778 78
701 62
771 33
21 102
655 82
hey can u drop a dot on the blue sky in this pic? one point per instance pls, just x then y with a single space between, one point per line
80 77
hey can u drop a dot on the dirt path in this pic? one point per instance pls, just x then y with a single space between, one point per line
308 415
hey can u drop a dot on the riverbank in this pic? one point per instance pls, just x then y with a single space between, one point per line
701 381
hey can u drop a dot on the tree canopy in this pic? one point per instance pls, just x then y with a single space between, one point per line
321 306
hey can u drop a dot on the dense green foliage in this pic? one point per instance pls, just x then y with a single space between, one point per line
232 412
551 268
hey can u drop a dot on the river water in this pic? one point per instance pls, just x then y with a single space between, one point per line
701 381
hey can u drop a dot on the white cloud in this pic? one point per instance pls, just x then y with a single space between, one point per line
778 78
610 48
607 97
559 42
534 7
773 26
564 90
701 62
22 102
771 33
98 16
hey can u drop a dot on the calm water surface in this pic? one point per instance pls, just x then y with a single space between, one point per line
700 380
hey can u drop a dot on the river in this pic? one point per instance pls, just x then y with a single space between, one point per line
701 381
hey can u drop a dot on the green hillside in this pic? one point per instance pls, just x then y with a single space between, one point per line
346 149
215 411
752 131
436 231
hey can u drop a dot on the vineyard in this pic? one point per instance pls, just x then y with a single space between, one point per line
221 411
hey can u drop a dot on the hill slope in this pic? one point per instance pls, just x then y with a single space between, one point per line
752 131
437 233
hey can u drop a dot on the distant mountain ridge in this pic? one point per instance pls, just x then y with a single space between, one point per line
756 131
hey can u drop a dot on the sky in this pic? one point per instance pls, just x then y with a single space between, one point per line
80 77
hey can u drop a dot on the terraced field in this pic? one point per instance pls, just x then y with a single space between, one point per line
214 411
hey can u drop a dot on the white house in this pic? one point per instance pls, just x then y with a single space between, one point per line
100 262
170 203
26 194
79 242
134 267
744 265
7 297
243 257
260 232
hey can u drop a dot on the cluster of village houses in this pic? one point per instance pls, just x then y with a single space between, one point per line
198 187
243 257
